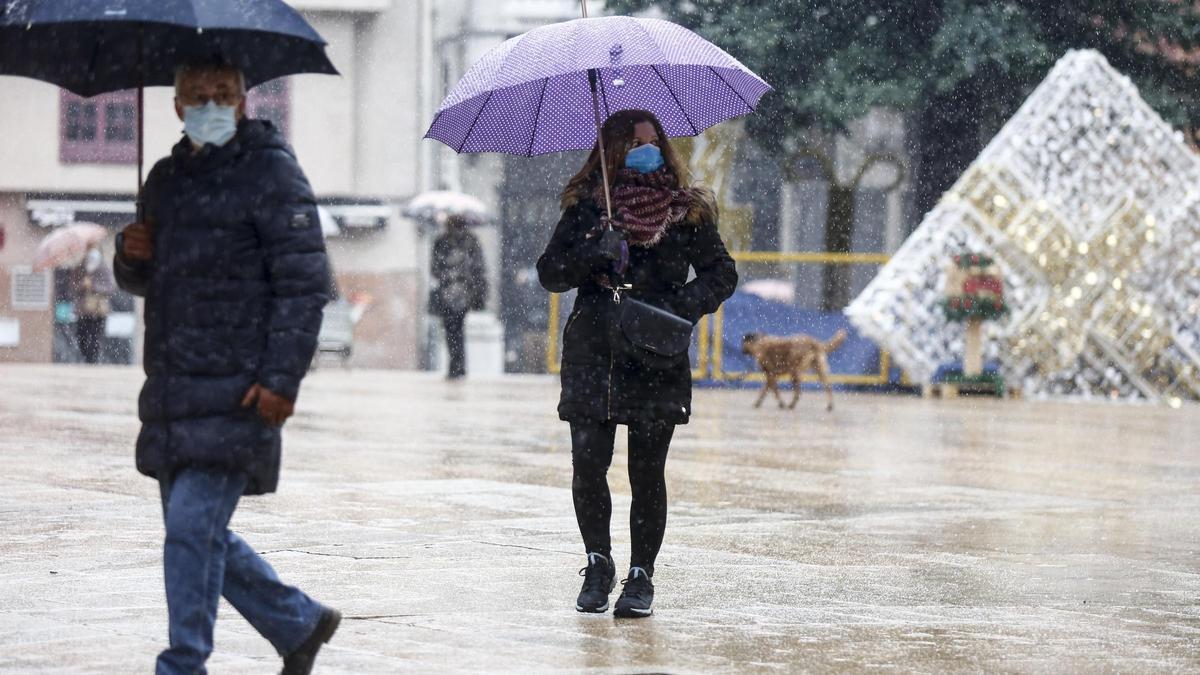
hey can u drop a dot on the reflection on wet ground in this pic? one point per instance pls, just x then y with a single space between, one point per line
892 533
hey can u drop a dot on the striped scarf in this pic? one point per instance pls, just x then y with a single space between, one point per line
645 205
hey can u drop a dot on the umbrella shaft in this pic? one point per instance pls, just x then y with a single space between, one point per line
593 77
140 149
141 124
583 7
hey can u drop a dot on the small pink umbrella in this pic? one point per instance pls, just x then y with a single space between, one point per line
66 246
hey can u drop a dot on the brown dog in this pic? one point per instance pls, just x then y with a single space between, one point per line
791 356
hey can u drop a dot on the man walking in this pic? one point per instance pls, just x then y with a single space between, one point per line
232 264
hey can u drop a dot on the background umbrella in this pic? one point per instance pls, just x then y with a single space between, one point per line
550 89
433 204
66 246
771 289
91 47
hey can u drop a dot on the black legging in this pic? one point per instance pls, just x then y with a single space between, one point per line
89 331
591 455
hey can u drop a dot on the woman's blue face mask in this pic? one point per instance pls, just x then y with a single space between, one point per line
644 159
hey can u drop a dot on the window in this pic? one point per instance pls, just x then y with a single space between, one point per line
101 129
30 290
271 101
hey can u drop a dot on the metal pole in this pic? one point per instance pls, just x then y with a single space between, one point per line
593 76
140 125
583 7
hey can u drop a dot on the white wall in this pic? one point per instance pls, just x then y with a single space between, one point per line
29 111
322 111
389 115
322 117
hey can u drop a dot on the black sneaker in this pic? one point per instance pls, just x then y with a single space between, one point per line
599 579
300 662
636 596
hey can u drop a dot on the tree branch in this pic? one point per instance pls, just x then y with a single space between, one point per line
872 160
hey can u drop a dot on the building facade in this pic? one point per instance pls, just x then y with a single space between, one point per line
357 136
360 138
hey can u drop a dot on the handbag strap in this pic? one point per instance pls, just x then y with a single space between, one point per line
618 275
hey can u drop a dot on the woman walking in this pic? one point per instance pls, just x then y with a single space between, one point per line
660 228
459 270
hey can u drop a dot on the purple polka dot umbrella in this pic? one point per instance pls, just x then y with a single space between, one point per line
531 95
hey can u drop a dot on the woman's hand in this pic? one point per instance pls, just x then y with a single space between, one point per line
610 244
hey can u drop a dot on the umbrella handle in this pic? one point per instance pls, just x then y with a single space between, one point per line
593 76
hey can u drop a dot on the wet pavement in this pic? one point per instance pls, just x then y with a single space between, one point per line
892 534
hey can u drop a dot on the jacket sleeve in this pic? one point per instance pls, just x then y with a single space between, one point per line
133 276
297 269
479 276
716 275
437 260
570 257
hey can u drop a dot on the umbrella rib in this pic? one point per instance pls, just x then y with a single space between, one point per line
428 134
477 116
533 134
677 103
735 91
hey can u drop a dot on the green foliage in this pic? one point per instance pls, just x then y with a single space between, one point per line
963 307
830 61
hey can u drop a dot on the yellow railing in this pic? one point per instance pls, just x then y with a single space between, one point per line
711 333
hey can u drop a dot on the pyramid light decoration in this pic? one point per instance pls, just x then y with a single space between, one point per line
1090 204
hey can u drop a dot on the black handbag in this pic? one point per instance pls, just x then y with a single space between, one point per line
652 335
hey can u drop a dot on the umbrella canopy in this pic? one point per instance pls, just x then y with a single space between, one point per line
90 47
771 289
66 246
433 205
531 95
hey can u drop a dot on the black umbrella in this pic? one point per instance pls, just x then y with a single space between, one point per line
91 47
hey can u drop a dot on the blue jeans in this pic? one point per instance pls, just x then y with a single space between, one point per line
203 560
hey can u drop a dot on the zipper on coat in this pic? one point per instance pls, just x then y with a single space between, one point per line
611 363
612 357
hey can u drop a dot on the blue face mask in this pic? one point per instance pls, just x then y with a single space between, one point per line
210 123
644 159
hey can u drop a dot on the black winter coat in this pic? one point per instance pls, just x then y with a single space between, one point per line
233 297
461 275
599 383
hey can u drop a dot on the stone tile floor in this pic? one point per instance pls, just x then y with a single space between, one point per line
893 534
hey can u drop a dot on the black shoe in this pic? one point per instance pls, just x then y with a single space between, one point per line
636 596
599 579
300 662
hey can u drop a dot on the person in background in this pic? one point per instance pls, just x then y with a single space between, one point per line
461 276
93 295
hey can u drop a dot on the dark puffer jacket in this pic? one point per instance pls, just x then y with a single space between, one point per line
599 383
458 268
233 297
